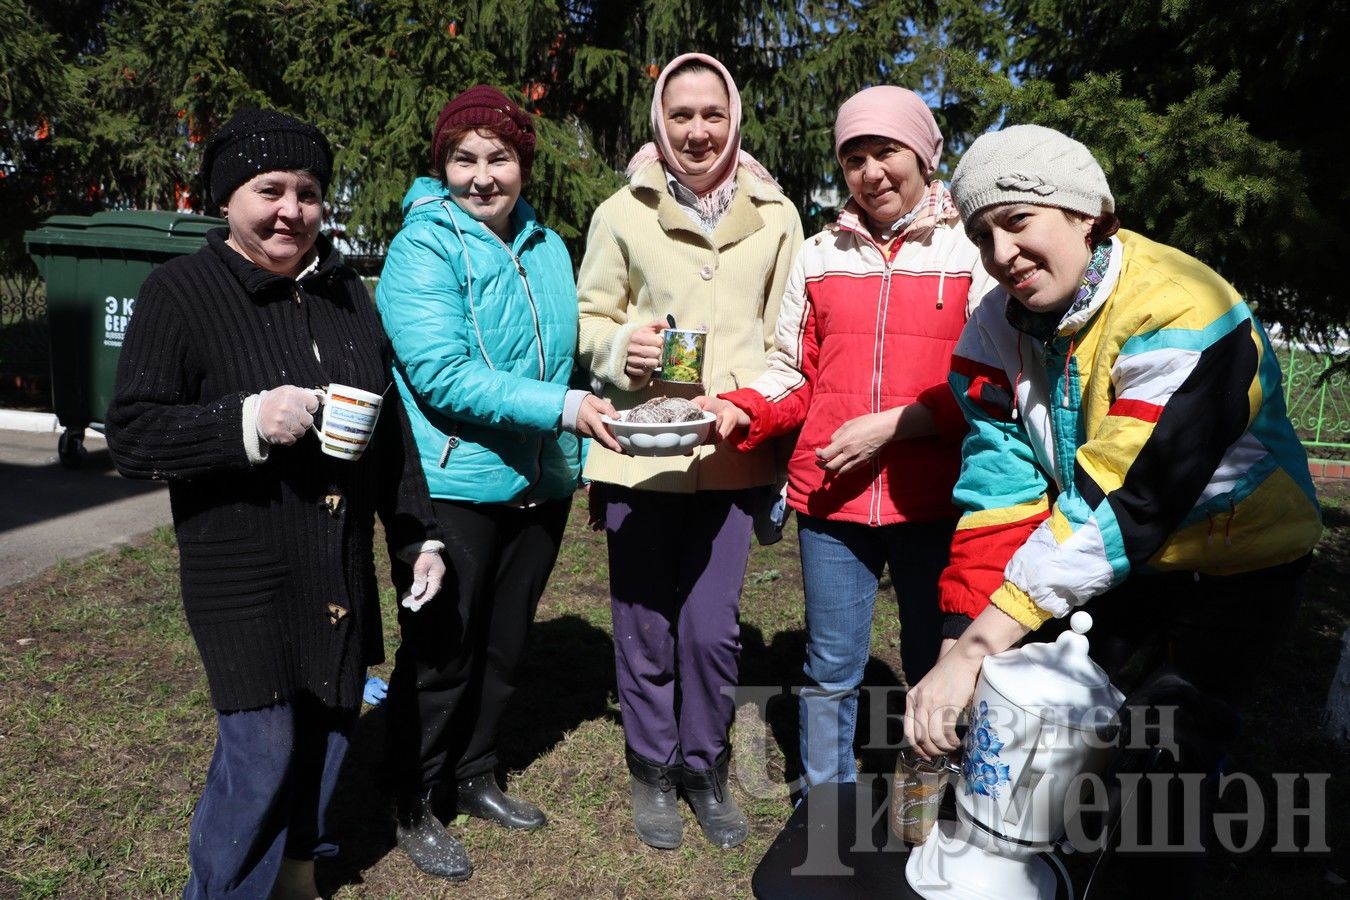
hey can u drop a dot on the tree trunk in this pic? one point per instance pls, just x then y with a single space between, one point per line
1338 699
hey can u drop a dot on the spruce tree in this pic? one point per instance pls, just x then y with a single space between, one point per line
1209 118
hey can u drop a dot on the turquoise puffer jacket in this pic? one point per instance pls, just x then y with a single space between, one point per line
484 339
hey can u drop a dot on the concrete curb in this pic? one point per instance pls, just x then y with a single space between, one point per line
42 422
17 420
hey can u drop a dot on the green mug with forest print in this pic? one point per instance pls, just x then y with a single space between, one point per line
682 355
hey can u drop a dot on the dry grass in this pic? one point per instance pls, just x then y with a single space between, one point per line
105 733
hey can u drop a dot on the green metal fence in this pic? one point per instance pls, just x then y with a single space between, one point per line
1319 407
24 368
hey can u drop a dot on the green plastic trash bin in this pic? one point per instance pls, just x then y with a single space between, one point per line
94 266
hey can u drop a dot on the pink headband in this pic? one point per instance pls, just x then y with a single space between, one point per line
891 112
725 164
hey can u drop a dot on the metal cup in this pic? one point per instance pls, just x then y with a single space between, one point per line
916 794
682 352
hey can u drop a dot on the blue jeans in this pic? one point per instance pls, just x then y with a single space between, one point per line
267 792
842 563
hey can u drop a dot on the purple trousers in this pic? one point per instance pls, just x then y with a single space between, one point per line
676 567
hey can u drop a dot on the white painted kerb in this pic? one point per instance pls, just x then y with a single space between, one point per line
21 420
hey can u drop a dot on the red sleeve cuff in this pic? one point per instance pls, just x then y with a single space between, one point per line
961 594
947 415
980 553
753 404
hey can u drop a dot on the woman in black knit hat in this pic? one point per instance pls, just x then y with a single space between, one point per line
216 393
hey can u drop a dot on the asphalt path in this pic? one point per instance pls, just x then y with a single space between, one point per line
49 513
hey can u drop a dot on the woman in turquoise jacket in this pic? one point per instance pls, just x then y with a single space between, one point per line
479 302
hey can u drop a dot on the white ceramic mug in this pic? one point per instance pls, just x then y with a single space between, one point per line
346 419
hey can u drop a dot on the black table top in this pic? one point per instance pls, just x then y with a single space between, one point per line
818 855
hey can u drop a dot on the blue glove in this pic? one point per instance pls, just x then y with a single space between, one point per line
770 514
376 690
778 515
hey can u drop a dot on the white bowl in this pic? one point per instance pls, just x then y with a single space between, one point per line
660 438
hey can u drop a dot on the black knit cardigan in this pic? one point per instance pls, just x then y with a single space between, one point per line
277 566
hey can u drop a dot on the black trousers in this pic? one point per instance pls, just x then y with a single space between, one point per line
1196 626
1211 632
455 670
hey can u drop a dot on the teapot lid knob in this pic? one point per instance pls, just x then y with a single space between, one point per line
1059 673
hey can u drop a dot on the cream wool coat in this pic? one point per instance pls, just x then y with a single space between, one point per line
646 258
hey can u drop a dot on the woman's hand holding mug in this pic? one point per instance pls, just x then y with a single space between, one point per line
644 351
285 413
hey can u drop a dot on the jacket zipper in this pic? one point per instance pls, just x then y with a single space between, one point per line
1065 451
539 346
878 352
451 442
529 295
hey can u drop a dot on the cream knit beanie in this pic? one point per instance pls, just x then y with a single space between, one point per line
1030 164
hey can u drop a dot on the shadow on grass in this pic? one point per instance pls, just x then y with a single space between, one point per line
778 665
1335 516
565 679
361 810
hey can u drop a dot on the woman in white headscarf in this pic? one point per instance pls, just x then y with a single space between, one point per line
701 234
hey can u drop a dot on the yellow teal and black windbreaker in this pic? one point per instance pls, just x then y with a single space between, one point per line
1147 434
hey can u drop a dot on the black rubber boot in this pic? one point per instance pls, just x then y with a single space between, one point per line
482 798
431 848
656 808
718 814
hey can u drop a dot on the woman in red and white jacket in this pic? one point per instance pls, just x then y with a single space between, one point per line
873 308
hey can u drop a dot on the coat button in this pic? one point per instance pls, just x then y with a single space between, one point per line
706 273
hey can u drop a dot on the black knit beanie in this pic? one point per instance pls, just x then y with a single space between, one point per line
262 140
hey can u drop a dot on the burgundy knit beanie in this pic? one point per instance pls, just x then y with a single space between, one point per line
484 105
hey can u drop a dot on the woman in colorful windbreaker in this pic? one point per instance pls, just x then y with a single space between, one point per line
874 306
1129 444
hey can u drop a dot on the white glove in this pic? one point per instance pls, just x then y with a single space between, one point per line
285 413
428 572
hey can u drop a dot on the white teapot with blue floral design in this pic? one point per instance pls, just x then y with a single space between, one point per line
1039 726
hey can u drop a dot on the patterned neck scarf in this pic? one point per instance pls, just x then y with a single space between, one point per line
713 204
935 206
1043 326
706 211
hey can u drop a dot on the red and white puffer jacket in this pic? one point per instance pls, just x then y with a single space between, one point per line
859 333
